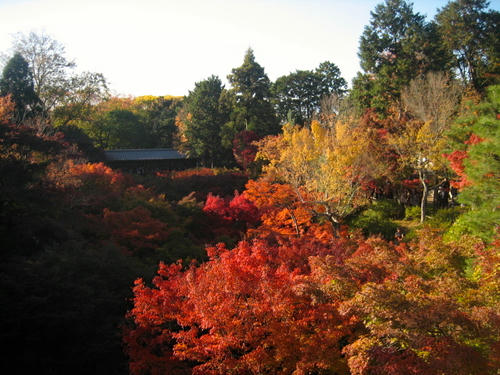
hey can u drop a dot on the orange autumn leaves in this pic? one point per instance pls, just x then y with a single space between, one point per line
245 310
300 305
302 296
298 297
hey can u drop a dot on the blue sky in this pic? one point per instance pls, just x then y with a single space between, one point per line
162 47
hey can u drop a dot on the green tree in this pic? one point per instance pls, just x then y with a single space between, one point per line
330 79
297 96
396 47
252 108
204 120
476 141
362 93
118 128
471 33
17 82
158 116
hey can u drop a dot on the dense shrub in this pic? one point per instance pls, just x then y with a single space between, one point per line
445 217
376 219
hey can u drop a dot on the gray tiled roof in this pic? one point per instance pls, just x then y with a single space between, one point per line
143 154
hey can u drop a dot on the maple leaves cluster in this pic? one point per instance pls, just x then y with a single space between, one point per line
299 297
456 159
245 310
301 294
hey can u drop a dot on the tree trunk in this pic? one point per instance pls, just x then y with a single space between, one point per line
294 219
425 192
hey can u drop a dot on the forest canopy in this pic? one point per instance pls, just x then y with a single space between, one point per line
327 229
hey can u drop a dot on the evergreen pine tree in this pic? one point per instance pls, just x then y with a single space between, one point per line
252 108
479 132
204 122
17 81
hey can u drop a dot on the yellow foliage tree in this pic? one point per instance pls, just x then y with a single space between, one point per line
420 147
330 167
432 102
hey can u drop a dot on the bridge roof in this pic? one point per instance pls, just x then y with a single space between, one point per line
143 154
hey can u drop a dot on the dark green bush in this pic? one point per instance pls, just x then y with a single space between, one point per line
412 213
376 219
445 217
389 209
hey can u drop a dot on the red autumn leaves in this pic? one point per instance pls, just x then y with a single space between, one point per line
315 302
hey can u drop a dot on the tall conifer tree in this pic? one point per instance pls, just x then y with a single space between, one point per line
252 108
17 81
205 120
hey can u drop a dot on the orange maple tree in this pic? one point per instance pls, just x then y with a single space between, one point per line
246 311
280 209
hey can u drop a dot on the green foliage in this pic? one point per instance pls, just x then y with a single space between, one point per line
331 81
482 169
470 32
479 223
395 47
251 107
143 122
445 217
389 209
412 213
377 219
118 128
205 117
374 223
366 92
297 96
158 116
17 81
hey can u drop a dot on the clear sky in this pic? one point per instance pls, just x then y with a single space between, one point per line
162 47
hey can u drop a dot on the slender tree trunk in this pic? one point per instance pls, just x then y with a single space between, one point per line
294 219
425 192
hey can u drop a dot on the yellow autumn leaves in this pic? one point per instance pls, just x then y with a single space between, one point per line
329 166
